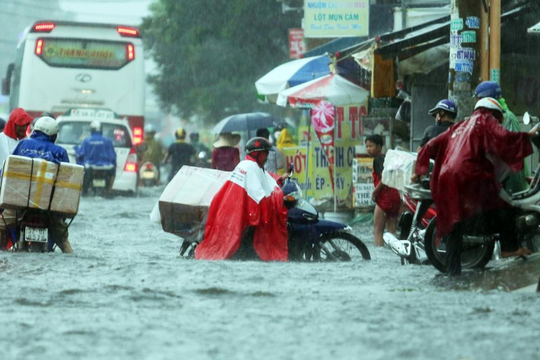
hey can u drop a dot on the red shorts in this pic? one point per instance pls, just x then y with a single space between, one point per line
389 201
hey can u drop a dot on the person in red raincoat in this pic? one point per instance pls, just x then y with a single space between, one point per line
463 182
14 131
247 218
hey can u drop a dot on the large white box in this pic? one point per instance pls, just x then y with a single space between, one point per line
67 189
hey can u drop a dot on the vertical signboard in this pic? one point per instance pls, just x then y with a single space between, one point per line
296 43
336 18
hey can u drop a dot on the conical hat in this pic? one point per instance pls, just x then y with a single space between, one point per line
227 139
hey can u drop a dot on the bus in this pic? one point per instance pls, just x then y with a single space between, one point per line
62 65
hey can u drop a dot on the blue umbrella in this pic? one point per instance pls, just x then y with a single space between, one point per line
293 73
245 122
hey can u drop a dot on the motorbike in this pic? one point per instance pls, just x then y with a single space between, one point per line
98 179
31 232
310 238
412 224
149 174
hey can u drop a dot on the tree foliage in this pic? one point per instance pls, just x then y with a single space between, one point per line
210 52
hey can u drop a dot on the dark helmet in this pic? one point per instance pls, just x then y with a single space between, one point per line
258 144
445 105
180 133
194 135
488 89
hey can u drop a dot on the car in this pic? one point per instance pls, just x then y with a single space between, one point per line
74 127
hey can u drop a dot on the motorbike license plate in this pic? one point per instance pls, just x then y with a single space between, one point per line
98 182
35 234
148 175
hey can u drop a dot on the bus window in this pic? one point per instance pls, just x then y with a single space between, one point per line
84 53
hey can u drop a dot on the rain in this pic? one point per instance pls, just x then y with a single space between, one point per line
127 291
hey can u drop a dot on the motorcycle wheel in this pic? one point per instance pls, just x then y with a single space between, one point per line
342 246
533 242
37 247
472 257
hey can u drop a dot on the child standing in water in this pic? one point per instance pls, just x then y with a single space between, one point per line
387 199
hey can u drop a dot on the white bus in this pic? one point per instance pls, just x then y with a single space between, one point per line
62 65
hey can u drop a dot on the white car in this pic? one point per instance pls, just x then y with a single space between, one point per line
74 127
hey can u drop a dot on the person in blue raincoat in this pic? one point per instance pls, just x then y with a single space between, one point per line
40 145
96 150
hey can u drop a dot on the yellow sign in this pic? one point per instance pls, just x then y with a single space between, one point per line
336 18
314 175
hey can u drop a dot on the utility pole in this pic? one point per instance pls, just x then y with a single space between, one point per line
495 40
465 55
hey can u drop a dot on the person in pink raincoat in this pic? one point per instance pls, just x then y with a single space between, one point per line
463 182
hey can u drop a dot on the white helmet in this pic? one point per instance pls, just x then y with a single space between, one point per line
95 126
149 128
46 125
489 103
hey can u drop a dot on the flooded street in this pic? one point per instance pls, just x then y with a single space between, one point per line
126 294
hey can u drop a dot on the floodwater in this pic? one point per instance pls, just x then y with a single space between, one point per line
126 294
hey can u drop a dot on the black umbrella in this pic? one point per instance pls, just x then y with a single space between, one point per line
245 122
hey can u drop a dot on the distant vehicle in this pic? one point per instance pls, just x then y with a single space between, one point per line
62 65
74 127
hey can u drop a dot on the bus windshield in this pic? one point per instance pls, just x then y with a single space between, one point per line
84 53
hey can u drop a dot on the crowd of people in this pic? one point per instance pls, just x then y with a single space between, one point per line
463 177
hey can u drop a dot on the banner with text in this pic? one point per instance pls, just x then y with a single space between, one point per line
313 175
336 18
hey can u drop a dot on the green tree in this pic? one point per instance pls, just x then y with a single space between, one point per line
210 52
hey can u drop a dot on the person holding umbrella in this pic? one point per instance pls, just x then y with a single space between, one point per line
225 155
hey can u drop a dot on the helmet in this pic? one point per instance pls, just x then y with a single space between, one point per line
488 89
95 126
180 133
258 144
194 135
149 129
446 105
46 125
489 103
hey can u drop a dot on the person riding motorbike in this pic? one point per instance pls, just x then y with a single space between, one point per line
41 145
247 217
180 153
153 152
445 113
516 182
201 151
96 150
463 182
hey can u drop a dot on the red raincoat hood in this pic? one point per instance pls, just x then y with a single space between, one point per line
17 117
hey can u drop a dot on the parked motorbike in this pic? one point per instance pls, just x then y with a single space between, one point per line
149 174
310 238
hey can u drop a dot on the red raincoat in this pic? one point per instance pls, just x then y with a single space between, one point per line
463 182
18 117
250 197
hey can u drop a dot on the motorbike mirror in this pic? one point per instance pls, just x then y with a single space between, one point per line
291 168
528 119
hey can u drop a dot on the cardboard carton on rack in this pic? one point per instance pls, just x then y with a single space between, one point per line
184 204
26 183
67 189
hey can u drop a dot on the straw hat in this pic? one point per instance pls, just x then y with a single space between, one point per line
227 139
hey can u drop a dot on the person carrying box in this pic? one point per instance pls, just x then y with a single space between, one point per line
40 145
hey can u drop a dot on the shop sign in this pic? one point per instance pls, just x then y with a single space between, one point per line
296 43
336 18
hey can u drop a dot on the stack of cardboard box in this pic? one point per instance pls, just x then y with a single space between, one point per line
39 184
